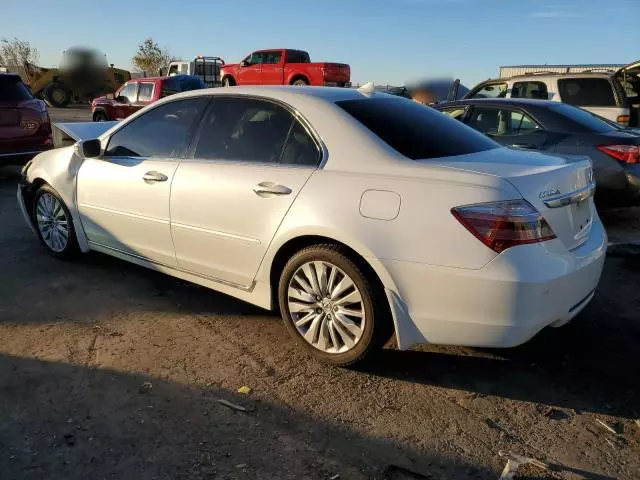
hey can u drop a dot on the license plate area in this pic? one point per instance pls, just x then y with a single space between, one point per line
581 217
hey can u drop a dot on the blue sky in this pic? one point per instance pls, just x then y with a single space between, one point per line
384 41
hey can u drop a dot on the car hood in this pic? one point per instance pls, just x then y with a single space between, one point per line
102 101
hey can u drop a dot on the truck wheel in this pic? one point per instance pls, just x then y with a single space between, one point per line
301 82
228 82
100 117
56 96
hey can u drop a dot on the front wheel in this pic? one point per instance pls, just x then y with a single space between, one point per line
331 307
53 223
100 117
228 82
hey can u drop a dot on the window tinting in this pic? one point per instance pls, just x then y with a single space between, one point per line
501 121
494 90
272 58
537 90
416 131
587 92
145 92
162 132
297 56
244 129
300 148
581 120
13 90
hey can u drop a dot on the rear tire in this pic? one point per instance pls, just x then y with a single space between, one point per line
53 222
56 96
331 307
301 82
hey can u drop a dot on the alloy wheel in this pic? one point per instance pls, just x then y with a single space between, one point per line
326 307
52 221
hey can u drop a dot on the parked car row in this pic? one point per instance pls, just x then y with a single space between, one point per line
356 214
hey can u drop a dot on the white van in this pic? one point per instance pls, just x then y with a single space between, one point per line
612 95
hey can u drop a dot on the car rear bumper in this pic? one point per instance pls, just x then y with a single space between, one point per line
504 304
24 149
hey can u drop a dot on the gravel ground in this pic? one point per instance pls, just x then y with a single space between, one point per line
108 370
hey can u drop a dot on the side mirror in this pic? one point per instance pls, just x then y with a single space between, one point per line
110 96
89 148
244 63
122 99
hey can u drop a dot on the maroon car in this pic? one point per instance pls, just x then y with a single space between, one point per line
25 128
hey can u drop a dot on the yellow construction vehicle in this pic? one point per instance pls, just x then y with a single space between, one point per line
83 75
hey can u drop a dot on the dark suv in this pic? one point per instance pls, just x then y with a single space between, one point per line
25 128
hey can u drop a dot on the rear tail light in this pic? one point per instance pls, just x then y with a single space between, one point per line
501 225
623 120
625 153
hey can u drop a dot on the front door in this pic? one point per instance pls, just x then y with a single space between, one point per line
272 68
123 196
250 70
227 201
124 101
145 95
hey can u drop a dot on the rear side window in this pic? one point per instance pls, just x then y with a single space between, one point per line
416 131
494 90
297 56
581 120
502 121
13 90
162 132
145 92
537 90
587 92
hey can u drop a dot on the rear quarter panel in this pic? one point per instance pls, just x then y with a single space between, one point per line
310 71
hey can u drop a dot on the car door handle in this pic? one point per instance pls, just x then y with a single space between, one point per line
270 188
154 177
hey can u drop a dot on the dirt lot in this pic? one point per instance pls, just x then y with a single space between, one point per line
108 370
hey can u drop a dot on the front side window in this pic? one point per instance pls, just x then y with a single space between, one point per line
255 58
162 132
173 70
537 90
416 131
493 90
145 92
257 131
128 92
502 121
587 92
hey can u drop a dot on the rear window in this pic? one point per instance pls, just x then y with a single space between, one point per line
297 56
583 120
13 90
416 131
587 92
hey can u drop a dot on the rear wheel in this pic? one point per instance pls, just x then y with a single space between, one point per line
331 307
56 96
301 82
53 223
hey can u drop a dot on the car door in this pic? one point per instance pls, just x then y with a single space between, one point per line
272 68
123 195
251 159
124 100
509 127
145 95
250 69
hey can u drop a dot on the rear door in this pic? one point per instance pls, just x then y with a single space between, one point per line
510 127
251 160
530 89
272 68
597 95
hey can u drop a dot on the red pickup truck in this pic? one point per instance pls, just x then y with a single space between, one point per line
138 93
285 67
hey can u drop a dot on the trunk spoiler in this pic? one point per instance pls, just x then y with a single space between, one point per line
65 134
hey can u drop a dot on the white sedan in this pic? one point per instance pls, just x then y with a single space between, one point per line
357 214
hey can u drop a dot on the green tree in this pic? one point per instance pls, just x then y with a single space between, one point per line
151 58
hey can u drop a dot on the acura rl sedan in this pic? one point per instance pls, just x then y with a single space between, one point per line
356 214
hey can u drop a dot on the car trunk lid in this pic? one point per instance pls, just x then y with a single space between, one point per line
561 189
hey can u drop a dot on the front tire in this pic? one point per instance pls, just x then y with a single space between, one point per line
228 82
56 96
54 224
100 117
331 307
